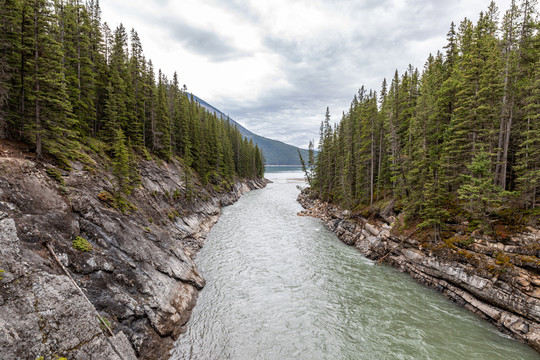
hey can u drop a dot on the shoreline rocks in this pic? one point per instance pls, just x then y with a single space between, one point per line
481 277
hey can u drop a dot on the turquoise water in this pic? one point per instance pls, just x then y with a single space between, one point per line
281 286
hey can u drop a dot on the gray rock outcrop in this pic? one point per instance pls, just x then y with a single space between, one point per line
139 276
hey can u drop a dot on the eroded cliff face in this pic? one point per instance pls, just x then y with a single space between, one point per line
498 280
139 275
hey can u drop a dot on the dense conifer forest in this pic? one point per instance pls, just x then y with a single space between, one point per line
70 85
459 139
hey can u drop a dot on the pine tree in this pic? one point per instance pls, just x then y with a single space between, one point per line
461 138
51 109
259 163
75 30
175 111
433 211
528 163
136 86
481 196
120 165
9 29
162 145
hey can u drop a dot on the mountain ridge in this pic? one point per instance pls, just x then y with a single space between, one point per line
275 152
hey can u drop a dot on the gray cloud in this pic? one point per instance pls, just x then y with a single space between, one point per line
201 41
204 42
329 71
327 68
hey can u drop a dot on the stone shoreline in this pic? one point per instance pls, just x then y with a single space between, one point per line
503 289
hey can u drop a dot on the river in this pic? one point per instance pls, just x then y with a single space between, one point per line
281 286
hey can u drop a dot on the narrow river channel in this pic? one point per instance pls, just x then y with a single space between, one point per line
281 286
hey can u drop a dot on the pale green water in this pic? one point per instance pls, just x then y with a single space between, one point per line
280 286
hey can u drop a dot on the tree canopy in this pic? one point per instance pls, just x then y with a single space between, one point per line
463 133
66 78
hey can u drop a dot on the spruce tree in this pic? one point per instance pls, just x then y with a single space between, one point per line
480 195
51 110
528 154
9 31
121 163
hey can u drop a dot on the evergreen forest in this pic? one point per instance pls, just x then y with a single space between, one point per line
70 85
458 140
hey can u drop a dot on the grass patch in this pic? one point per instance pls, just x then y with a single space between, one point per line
104 323
82 244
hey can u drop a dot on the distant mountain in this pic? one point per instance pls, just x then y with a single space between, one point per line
275 152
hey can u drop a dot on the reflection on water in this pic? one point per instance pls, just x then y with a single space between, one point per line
281 286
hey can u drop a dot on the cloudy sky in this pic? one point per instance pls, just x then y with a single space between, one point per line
274 65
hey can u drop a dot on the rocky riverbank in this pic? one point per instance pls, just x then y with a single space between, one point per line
132 270
498 279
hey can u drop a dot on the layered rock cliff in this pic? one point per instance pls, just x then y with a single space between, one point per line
131 272
498 279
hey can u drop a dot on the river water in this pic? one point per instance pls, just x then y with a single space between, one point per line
281 286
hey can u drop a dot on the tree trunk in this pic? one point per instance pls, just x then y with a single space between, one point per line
78 50
500 162
372 170
500 167
505 150
22 109
380 163
36 88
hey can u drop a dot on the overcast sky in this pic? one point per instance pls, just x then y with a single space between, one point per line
274 65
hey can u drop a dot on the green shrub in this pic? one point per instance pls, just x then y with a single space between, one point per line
106 197
82 244
124 205
117 202
463 241
55 174
146 155
83 158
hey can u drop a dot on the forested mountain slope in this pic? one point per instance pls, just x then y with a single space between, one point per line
275 152
68 81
